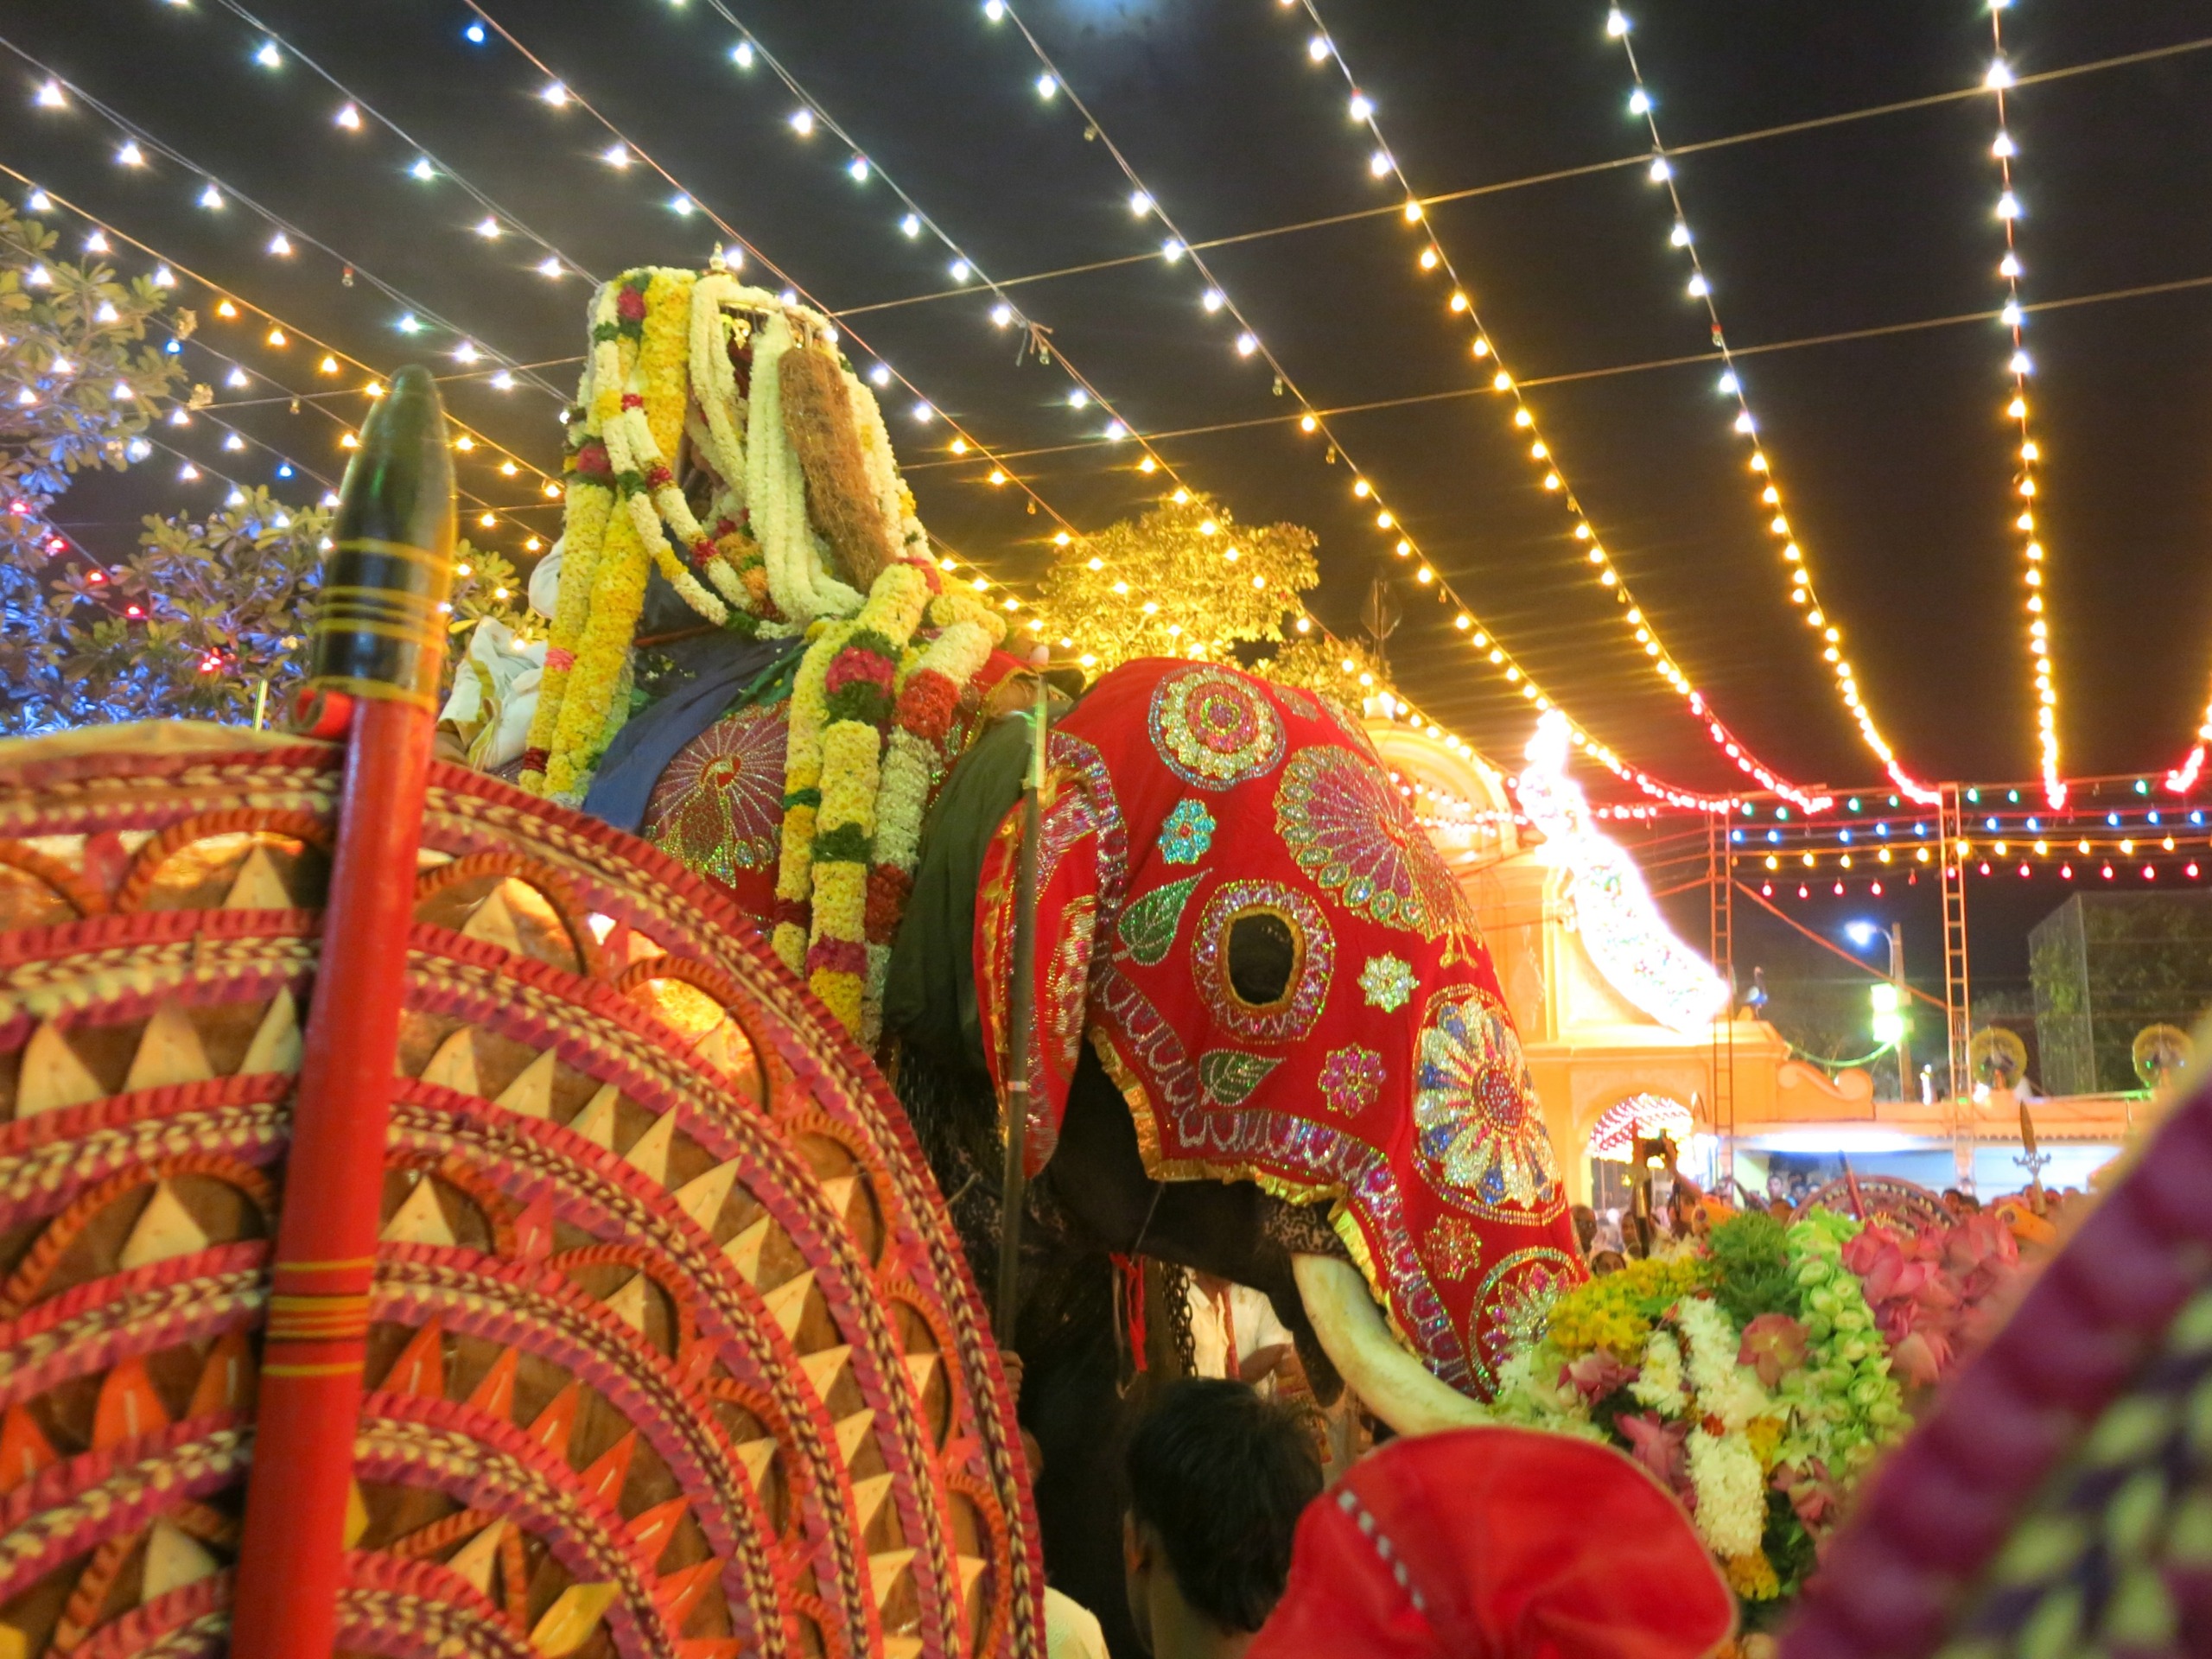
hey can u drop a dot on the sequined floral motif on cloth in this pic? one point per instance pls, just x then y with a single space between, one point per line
1214 728
1476 1122
1313 960
1352 1079
1188 833
1455 1248
1387 982
1071 972
1347 828
1515 1305
719 808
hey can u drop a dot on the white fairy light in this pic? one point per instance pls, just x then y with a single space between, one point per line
742 54
1680 236
1139 204
1247 343
857 169
1378 164
280 244
39 202
1215 299
960 270
1003 316
1698 288
488 228
881 374
550 266
503 381
616 156
1660 172
802 120
680 205
1616 24
96 243
1998 78
130 154
556 94
1172 249
995 11
51 97
269 57
1361 108
466 351
1046 86
911 224
349 117
164 278
423 169
1639 102
211 198
1318 48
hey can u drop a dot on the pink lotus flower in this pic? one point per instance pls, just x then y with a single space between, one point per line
1598 1374
1774 1344
1658 1447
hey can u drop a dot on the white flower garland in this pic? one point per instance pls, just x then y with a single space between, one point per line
798 576
902 528
1731 1493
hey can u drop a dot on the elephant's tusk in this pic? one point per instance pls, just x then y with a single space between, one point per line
1390 1381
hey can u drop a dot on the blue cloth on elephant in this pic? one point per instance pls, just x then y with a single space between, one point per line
723 670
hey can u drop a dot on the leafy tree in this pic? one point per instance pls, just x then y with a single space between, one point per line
79 386
205 621
1183 581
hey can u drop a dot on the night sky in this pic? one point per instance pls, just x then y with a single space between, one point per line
1892 452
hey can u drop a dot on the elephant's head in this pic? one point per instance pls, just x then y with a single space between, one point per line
1238 913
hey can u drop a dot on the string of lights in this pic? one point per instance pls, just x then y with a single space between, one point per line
2021 365
1384 163
810 115
417 321
1176 249
218 194
1765 483
282 334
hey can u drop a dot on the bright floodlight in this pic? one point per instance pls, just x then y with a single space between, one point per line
1861 933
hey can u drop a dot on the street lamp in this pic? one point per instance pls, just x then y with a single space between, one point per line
1892 1019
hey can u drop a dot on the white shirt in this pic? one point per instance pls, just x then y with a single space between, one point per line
1241 1312
1071 1630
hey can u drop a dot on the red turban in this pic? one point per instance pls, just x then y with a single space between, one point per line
1497 1543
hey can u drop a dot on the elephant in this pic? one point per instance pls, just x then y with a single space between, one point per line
1269 1042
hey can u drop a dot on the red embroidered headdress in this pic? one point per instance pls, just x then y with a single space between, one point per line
1189 799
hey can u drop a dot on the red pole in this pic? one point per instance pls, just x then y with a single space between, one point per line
378 644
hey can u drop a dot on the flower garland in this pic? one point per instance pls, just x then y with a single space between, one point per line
799 577
1751 1379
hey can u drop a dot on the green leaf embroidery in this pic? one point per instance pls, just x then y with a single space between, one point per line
1230 1077
1148 926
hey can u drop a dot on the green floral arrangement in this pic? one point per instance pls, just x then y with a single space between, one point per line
1747 1375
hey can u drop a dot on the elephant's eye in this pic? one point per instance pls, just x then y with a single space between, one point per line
1263 957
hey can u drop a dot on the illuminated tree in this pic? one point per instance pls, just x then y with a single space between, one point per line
1341 669
204 621
1184 580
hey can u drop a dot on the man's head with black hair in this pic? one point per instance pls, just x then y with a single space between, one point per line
1218 1477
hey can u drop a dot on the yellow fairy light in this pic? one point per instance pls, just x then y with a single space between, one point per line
328 365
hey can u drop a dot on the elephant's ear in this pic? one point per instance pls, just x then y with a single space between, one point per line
1067 920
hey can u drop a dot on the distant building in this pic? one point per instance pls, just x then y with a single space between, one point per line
2106 965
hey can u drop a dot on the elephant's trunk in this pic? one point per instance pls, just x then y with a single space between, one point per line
1389 1379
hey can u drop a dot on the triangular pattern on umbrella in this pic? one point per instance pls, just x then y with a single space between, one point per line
530 1095
421 1219
627 1303
495 1393
128 1405
173 1559
680 1593
357 1515
52 1075
756 1456
164 1229
569 1622
453 1066
421 1367
603 1480
473 1561
493 922
701 1198
648 1154
867 1498
652 1530
823 1368
534 1227
921 1371
884 1570
258 885
743 1252
851 1431
727 1049
24 1449
276 1046
553 1426
170 1052
596 1123
787 1302
228 1377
